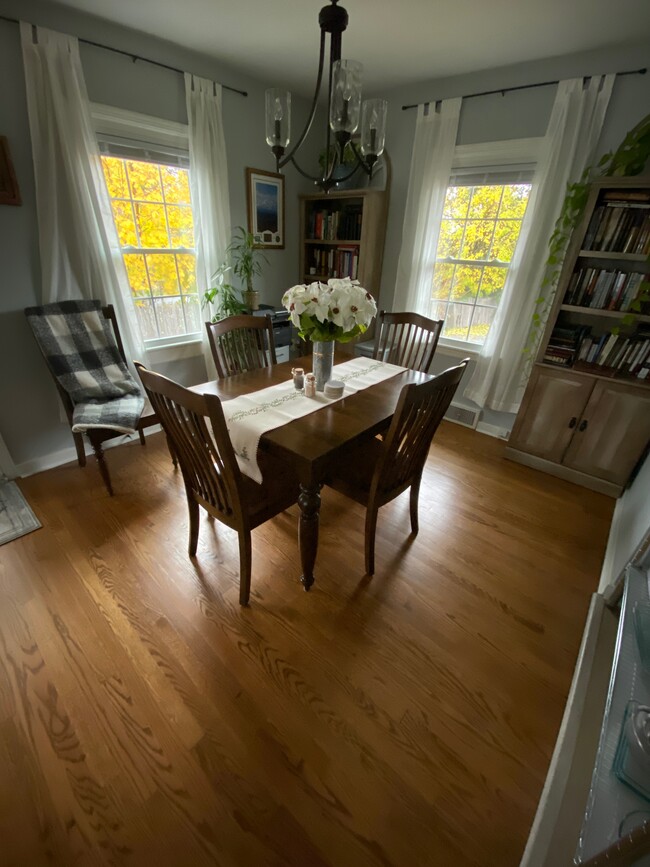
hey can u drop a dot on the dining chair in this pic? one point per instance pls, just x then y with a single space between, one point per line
196 429
407 339
380 470
241 342
90 362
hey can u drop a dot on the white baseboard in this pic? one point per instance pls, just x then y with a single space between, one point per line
493 430
69 455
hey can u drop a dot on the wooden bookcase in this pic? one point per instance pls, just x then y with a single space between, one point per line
342 235
585 416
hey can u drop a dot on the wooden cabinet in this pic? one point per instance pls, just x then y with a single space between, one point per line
342 235
586 412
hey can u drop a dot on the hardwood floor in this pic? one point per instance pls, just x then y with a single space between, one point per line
407 719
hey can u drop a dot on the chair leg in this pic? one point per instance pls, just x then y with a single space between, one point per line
195 520
103 468
371 531
245 564
142 439
172 453
415 498
79 445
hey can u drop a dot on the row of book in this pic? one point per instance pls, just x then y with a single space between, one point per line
619 227
344 224
603 289
614 354
335 262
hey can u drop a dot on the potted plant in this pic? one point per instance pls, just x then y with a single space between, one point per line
245 258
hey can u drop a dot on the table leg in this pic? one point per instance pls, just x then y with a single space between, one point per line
309 502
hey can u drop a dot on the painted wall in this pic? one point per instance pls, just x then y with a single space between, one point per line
29 418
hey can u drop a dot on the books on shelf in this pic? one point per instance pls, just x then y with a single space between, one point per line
334 262
609 353
603 289
620 224
332 225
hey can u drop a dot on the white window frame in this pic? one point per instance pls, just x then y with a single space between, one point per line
485 156
143 131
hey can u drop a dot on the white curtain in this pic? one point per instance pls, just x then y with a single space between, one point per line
433 153
209 182
80 253
569 145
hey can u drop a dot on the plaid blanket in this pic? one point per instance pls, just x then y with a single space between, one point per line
79 346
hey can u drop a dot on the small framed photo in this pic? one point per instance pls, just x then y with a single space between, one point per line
266 208
9 192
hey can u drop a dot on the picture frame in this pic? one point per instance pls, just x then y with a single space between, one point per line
266 208
9 192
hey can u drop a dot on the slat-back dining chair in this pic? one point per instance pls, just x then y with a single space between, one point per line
210 471
407 339
98 436
381 470
241 342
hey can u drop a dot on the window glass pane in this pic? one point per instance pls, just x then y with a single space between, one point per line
145 181
162 273
506 233
152 226
193 316
438 310
123 219
514 201
481 321
115 174
137 274
457 321
466 281
484 204
169 313
187 272
176 183
457 202
450 239
181 226
146 319
492 286
478 237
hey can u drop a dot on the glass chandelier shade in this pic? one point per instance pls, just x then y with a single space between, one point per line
373 127
345 104
278 117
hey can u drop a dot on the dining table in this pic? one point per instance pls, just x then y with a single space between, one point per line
319 443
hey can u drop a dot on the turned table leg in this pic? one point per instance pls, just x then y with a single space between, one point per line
309 502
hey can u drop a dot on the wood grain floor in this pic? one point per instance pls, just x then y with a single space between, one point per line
145 718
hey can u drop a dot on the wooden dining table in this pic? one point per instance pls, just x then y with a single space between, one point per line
319 442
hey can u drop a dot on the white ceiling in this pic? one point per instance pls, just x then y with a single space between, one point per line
398 42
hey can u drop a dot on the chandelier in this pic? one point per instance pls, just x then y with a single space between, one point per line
344 111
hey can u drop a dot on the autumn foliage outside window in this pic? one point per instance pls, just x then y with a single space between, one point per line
153 217
478 235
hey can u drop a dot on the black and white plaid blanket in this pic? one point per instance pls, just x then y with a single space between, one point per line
80 348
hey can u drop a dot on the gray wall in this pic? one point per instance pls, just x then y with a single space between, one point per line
29 414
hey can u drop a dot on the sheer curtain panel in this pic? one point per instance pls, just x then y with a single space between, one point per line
499 379
433 152
80 253
209 185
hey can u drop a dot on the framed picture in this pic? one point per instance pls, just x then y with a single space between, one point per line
266 208
9 192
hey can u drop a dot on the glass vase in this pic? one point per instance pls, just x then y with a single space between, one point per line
322 360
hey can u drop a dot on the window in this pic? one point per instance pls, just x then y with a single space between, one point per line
150 199
483 212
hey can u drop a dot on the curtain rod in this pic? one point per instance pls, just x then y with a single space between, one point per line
504 90
133 57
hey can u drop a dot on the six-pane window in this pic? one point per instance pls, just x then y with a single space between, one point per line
153 217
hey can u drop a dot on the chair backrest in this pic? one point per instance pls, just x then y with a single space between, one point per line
240 343
407 339
207 460
419 411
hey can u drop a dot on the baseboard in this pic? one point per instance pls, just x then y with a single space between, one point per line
69 455
562 472
493 430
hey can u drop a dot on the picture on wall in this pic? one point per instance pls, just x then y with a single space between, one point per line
9 192
266 208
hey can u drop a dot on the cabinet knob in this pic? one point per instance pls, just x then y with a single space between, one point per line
583 425
573 421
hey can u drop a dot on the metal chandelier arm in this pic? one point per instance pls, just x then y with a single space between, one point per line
312 112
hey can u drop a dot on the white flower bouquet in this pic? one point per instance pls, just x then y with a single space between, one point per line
339 310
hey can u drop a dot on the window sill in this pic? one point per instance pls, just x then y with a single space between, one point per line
176 351
459 348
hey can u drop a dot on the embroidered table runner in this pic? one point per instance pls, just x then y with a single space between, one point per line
251 415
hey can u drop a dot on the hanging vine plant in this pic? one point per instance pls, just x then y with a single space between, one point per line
629 159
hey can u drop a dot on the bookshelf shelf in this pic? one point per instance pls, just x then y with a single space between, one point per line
585 415
346 243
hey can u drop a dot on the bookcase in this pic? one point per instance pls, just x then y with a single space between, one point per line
585 415
342 235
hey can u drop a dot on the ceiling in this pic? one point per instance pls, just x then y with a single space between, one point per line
398 42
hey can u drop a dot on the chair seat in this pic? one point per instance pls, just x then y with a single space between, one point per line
356 479
278 491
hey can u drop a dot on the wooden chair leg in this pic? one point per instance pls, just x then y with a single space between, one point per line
371 531
142 439
172 453
195 520
245 565
81 451
415 498
103 468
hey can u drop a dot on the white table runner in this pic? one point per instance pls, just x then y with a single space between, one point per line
251 415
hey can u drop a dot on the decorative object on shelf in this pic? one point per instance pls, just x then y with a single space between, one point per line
298 374
245 258
344 109
9 192
337 311
266 208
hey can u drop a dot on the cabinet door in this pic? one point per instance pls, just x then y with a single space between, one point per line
612 433
551 413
